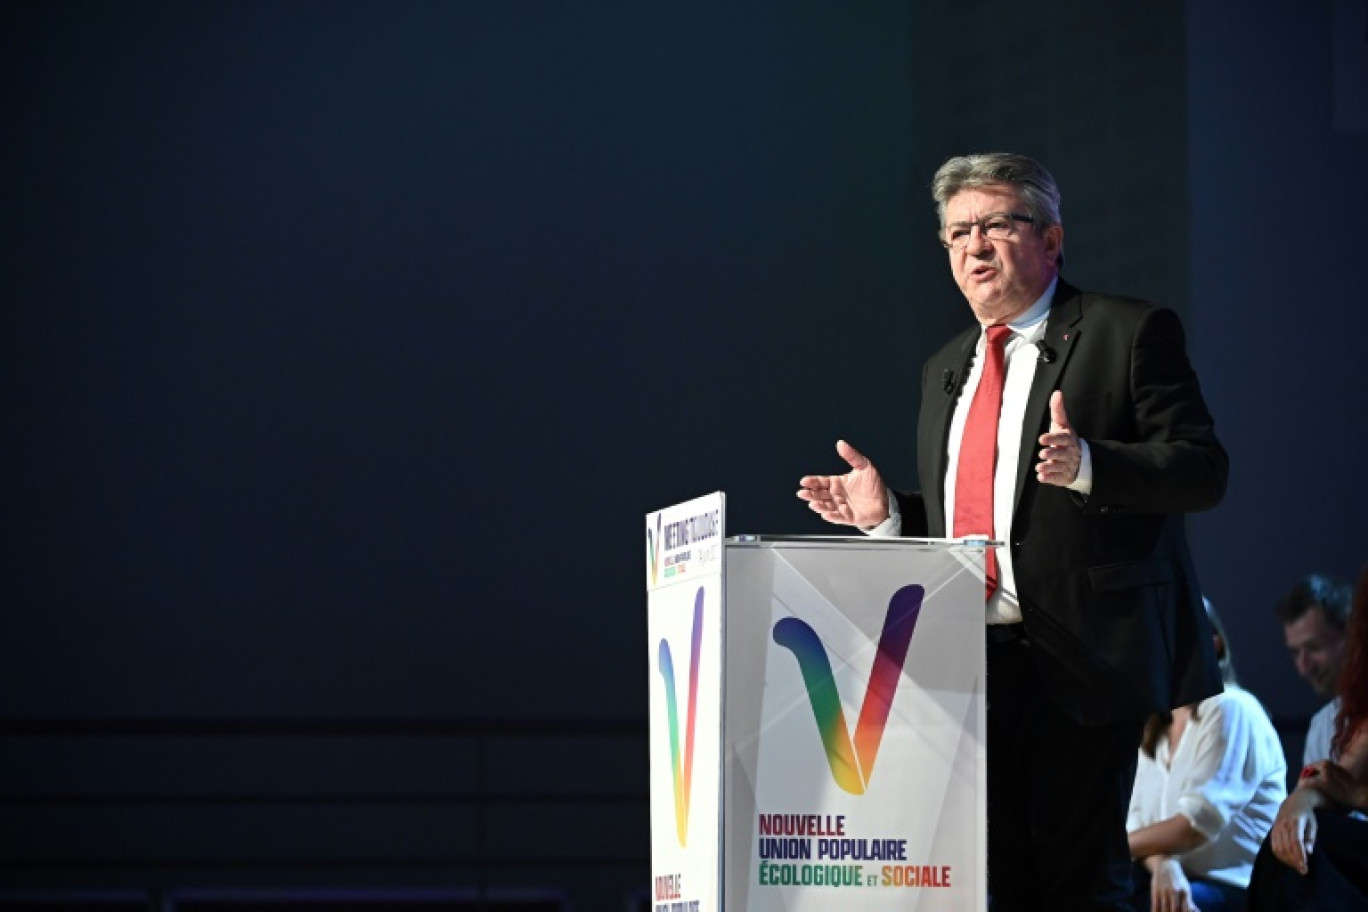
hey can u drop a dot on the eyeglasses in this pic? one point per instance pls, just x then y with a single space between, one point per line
1000 226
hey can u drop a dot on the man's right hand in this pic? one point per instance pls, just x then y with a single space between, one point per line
857 498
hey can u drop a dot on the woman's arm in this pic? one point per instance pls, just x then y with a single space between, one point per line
1337 784
1173 836
1156 846
1294 829
1343 784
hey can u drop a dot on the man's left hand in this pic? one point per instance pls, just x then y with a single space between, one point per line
1062 454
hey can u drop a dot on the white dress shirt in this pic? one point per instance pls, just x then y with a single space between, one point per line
1022 356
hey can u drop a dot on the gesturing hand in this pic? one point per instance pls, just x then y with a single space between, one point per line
857 498
1061 456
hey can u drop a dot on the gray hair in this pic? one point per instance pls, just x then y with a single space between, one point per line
1037 187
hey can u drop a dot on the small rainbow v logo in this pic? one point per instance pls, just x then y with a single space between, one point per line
654 546
682 762
852 761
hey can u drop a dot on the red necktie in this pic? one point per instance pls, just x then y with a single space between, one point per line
978 452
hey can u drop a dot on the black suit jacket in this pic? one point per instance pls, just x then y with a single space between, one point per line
1108 591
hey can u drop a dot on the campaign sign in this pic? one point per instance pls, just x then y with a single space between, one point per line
854 746
684 560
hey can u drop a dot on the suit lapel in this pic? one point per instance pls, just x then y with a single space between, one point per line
938 410
1061 334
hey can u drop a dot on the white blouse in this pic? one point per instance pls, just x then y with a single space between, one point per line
1320 733
1227 777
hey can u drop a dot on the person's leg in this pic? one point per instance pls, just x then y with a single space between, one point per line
1274 887
1058 794
1140 888
1081 789
1012 880
1213 896
1339 863
1337 871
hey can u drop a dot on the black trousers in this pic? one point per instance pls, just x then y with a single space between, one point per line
1058 795
1337 871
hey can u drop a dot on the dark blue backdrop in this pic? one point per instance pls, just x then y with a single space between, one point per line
344 345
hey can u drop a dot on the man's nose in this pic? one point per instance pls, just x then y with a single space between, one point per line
978 240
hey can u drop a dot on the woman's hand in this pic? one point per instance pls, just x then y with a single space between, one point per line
1294 830
1169 887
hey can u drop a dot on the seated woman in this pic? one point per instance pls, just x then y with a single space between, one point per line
1316 857
1208 784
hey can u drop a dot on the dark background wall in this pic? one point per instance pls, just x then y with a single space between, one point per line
344 345
1278 140
348 343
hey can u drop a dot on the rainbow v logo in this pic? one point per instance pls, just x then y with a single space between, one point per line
654 546
682 763
852 761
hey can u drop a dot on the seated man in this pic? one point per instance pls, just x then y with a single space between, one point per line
1313 616
1316 856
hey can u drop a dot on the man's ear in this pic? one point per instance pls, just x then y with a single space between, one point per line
1054 244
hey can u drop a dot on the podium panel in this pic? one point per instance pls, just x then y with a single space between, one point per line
817 727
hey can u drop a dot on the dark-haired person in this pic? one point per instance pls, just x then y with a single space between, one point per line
1316 856
1210 779
1313 615
1071 426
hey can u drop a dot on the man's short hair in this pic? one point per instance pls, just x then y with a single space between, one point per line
1037 187
1334 597
975 172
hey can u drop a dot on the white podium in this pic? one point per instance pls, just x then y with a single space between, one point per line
816 720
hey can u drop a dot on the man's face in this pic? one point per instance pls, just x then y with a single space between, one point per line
1001 278
1317 649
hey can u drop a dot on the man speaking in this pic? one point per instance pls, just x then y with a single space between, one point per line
1071 426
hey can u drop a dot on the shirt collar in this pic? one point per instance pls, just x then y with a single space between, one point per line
1030 326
